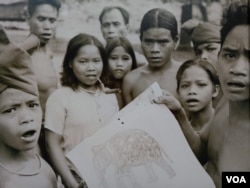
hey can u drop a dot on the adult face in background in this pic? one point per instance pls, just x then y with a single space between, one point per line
43 22
113 24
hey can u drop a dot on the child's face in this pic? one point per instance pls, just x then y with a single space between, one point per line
233 66
20 119
157 45
196 89
120 62
87 66
208 52
43 22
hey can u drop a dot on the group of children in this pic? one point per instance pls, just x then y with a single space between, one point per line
98 81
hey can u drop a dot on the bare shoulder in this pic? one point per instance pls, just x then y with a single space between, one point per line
133 75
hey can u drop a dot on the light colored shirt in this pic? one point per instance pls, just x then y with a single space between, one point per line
78 114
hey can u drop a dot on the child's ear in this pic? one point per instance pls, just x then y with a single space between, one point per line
216 91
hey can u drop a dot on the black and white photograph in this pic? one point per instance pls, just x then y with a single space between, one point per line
124 94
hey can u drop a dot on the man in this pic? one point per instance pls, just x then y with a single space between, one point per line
42 17
206 42
224 144
159 36
114 23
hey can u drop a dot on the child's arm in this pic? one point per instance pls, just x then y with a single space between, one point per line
58 159
193 138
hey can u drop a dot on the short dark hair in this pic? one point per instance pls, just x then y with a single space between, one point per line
68 77
32 4
236 14
159 18
205 65
123 12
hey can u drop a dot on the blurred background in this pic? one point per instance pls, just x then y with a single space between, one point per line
78 16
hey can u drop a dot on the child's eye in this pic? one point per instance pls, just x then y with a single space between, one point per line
125 58
97 60
211 49
183 86
10 110
82 61
52 20
202 84
33 105
230 55
113 57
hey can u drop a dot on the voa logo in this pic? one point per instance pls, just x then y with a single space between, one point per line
236 179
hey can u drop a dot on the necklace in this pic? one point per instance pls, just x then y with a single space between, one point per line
24 174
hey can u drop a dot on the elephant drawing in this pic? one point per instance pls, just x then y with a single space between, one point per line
126 150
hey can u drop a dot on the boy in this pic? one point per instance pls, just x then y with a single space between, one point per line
20 122
159 36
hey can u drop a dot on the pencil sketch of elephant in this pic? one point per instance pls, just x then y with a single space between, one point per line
129 149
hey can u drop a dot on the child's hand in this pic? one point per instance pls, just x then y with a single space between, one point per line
168 99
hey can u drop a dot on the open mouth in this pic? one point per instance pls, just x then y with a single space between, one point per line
192 101
46 36
236 84
29 135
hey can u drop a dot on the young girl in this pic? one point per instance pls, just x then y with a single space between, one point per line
121 60
80 107
197 85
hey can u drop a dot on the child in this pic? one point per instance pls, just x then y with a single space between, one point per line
80 107
197 85
121 60
20 122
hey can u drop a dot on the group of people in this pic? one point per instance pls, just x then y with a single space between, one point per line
208 95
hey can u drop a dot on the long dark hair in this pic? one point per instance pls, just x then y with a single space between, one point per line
111 45
68 77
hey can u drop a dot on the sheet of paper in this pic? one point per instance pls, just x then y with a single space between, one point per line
141 147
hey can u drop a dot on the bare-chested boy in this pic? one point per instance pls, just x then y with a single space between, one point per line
225 143
159 36
42 18
20 122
